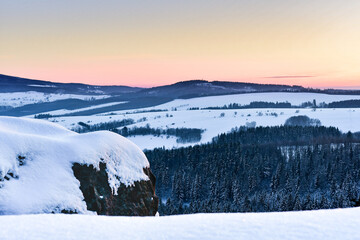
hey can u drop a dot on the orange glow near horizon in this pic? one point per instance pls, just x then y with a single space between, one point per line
314 44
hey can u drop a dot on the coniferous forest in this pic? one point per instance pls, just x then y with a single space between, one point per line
259 170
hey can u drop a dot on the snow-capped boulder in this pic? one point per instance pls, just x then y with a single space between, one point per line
45 168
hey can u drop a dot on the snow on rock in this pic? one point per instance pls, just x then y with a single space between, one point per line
36 159
316 225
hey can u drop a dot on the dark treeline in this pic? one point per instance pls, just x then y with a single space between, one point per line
184 135
281 136
84 127
345 104
259 104
259 170
147 111
309 104
43 116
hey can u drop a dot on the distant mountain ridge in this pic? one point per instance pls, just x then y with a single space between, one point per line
83 95
18 84
183 89
198 88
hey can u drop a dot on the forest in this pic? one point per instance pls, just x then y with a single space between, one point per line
260 169
257 104
112 126
309 104
184 135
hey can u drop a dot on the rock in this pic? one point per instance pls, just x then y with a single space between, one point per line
39 161
136 200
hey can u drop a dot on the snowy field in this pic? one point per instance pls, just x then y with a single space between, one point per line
65 111
18 99
245 99
215 122
315 225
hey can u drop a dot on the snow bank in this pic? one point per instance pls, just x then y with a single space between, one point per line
43 181
323 224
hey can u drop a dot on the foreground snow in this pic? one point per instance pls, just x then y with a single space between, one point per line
324 224
36 159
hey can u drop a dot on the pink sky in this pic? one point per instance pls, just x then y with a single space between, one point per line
157 43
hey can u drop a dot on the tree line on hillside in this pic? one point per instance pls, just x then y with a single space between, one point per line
259 170
344 104
309 104
257 104
112 125
184 135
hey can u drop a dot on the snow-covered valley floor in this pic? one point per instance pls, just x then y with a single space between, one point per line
321 224
176 114
215 122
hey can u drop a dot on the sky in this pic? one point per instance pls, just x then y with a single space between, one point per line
314 43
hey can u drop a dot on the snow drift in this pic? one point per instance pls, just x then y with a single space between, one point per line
36 159
315 225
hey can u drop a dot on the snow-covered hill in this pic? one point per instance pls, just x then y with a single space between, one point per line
18 99
65 111
175 114
36 159
215 122
247 98
315 225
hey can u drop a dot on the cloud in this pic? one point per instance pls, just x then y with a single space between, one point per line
295 76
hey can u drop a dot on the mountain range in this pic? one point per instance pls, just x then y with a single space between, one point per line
135 97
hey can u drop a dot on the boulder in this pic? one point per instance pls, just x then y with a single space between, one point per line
46 168
136 200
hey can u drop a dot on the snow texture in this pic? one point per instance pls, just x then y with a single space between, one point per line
316 225
44 182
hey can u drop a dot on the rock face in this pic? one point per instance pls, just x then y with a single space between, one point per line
136 200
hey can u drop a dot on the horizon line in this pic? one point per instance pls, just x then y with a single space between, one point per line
202 79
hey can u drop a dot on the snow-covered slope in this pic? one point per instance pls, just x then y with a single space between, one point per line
36 159
66 111
18 99
315 225
215 122
244 99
